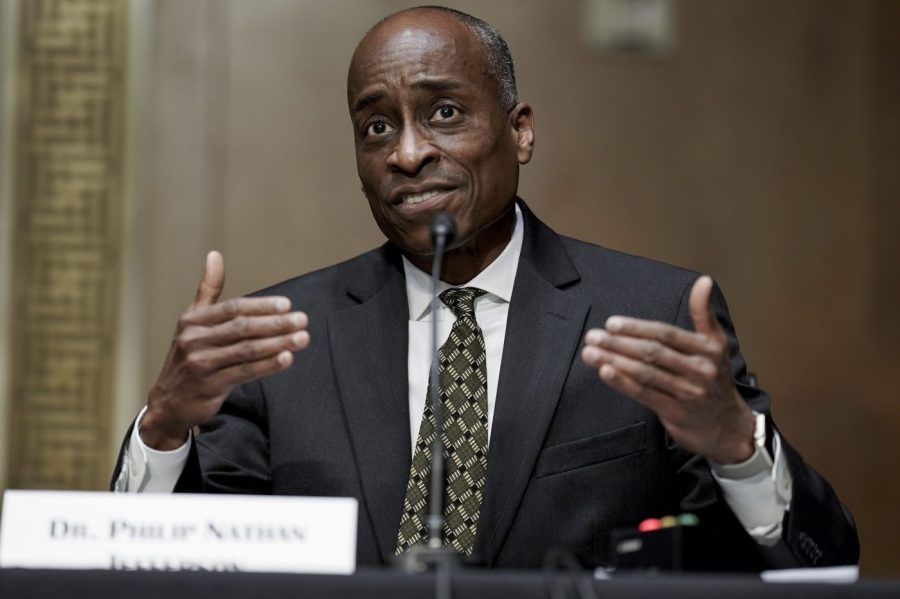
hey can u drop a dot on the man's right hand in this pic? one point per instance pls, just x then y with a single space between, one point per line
218 346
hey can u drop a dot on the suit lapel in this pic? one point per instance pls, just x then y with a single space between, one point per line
543 333
370 342
369 346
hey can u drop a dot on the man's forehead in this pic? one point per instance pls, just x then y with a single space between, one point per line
418 35
409 43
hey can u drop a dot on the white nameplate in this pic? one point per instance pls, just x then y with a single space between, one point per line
75 530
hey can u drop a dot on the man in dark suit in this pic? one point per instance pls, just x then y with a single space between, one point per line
653 415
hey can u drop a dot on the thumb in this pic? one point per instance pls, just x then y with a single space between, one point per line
704 321
213 281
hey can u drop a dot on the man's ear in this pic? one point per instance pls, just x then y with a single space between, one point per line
521 119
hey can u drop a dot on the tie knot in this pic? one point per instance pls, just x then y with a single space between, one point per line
462 300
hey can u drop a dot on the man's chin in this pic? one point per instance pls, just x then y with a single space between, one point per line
418 247
417 252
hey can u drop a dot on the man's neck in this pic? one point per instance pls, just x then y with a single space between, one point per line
464 263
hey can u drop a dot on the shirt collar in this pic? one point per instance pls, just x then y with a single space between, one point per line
497 279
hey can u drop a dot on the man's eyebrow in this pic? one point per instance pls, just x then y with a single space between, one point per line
437 84
432 85
367 100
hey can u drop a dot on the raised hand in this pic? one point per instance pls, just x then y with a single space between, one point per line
683 376
216 347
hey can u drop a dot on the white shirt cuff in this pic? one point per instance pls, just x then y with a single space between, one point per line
759 500
148 470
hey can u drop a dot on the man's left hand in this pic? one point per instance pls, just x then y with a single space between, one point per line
683 376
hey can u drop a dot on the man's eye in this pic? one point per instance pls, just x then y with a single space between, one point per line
444 112
378 128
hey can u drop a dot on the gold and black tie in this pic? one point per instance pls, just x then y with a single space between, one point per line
463 387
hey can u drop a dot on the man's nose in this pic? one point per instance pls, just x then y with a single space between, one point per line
413 151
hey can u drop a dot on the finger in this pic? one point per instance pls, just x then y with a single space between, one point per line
651 351
687 342
698 304
241 328
213 280
630 388
211 360
234 308
646 375
250 371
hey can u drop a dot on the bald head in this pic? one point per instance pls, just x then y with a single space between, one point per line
498 63
433 134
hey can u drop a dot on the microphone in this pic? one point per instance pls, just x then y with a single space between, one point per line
432 555
443 229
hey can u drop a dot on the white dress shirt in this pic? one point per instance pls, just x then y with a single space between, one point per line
758 491
491 310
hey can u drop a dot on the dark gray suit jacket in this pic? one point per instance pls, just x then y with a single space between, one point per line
569 460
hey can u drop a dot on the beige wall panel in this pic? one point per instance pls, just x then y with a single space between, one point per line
750 154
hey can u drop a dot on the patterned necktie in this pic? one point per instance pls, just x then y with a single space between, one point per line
463 388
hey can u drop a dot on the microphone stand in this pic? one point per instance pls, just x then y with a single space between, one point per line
433 555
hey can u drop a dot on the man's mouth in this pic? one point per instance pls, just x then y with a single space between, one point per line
416 198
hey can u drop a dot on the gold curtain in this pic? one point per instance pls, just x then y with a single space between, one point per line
67 208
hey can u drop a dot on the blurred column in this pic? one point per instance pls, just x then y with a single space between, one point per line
7 99
63 213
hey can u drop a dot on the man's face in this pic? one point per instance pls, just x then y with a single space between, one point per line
430 134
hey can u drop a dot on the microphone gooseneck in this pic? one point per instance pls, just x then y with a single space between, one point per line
432 555
443 229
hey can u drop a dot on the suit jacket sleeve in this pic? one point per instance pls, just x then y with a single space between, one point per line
817 529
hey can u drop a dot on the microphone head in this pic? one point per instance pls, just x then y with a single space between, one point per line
443 228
